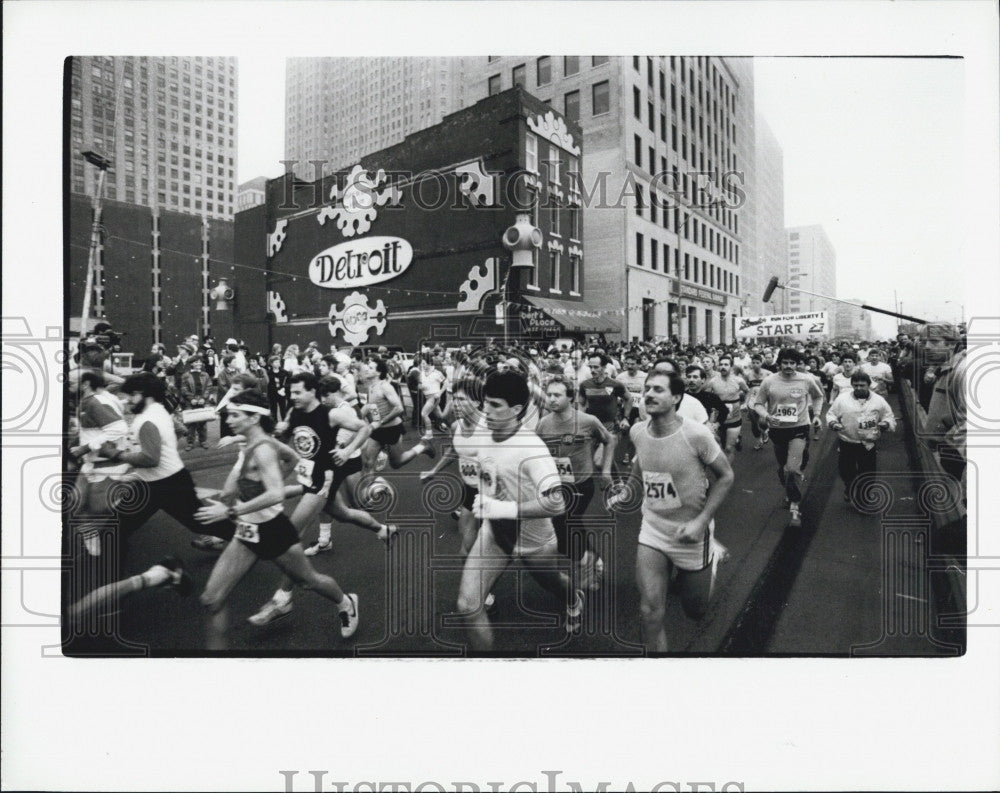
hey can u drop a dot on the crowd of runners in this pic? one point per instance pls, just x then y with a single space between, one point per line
537 434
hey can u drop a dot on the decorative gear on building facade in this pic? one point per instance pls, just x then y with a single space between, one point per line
357 319
358 206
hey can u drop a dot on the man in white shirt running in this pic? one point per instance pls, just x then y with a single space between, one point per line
670 471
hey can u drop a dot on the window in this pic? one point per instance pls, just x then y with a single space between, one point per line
637 142
531 153
636 103
554 162
517 75
651 123
598 60
639 247
574 223
635 62
663 86
554 267
666 258
663 127
494 84
600 98
571 65
574 274
554 227
651 162
640 200
491 58
544 70
573 105
653 250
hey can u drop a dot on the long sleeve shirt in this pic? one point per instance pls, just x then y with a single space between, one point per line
860 417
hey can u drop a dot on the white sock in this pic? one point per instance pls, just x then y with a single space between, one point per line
282 598
324 532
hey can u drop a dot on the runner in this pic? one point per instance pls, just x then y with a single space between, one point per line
604 398
879 371
349 433
633 379
784 401
518 493
859 418
694 380
689 407
842 379
673 458
431 389
254 492
732 390
754 376
384 410
571 436
466 433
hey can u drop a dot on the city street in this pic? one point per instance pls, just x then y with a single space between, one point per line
833 587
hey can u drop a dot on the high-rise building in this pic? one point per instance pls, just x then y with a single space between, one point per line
340 109
812 265
168 124
251 193
854 322
767 194
668 142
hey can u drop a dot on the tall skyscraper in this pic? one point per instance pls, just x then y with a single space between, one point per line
767 193
251 193
339 109
167 124
812 265
668 143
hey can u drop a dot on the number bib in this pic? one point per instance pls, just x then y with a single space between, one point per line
565 468
248 532
868 427
373 413
304 472
786 413
660 492
470 472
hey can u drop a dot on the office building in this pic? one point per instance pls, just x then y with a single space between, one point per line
853 322
812 265
168 124
339 109
767 194
251 193
668 142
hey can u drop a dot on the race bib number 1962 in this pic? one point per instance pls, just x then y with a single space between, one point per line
660 491
786 414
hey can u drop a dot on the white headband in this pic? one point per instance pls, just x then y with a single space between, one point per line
249 408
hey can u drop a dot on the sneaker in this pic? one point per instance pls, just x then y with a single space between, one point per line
318 547
626 460
92 542
381 461
349 619
206 542
428 441
182 581
203 445
490 601
574 614
590 571
758 445
188 448
767 436
455 514
270 612
795 519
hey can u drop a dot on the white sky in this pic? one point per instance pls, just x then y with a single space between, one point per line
870 146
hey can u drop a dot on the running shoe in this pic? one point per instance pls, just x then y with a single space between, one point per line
388 533
758 445
349 619
626 460
490 601
182 581
795 519
206 542
574 614
767 436
270 612
318 547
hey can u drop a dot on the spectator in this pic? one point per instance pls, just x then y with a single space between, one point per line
195 388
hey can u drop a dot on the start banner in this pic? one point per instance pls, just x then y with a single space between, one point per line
812 325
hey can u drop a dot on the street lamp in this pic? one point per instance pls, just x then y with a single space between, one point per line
102 164
522 239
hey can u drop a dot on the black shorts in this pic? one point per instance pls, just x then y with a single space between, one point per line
782 436
318 480
387 436
340 473
469 494
275 537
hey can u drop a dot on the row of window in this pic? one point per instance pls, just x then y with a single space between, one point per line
555 274
687 225
695 270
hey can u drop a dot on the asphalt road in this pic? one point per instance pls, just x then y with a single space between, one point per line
825 589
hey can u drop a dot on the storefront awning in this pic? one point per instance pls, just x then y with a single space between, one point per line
575 316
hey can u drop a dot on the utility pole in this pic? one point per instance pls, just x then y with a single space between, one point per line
102 163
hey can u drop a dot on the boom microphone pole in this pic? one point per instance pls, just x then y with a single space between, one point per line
773 284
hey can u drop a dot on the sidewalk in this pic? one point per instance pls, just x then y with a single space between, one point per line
866 580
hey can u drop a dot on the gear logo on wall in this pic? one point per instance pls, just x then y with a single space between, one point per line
356 320
359 203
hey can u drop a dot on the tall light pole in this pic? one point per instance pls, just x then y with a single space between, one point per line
102 164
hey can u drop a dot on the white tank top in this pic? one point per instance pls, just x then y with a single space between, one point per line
170 461
466 447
